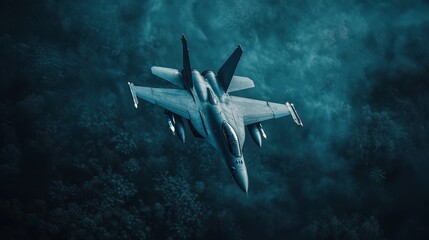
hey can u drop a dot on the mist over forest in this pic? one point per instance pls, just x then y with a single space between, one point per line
78 161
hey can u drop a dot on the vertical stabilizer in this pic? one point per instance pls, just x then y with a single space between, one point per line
186 73
226 72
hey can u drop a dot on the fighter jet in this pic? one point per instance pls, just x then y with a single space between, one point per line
204 100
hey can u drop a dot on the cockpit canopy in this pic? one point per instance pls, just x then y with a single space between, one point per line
231 139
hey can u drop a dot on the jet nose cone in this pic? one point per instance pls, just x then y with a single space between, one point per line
240 177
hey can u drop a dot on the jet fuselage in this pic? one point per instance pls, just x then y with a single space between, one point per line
203 100
224 133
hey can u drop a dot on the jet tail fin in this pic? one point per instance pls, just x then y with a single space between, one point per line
226 72
186 73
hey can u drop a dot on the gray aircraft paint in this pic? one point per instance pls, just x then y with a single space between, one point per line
217 116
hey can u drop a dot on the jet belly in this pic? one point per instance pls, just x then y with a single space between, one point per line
235 120
216 118
213 119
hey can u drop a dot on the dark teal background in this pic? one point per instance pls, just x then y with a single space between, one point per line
79 162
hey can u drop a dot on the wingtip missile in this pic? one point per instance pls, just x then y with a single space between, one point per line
294 114
133 94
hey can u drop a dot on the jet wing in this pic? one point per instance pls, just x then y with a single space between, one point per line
254 111
177 101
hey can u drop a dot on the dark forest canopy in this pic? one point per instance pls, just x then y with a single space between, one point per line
79 162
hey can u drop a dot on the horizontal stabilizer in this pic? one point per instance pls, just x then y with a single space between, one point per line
170 74
177 101
240 83
294 114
